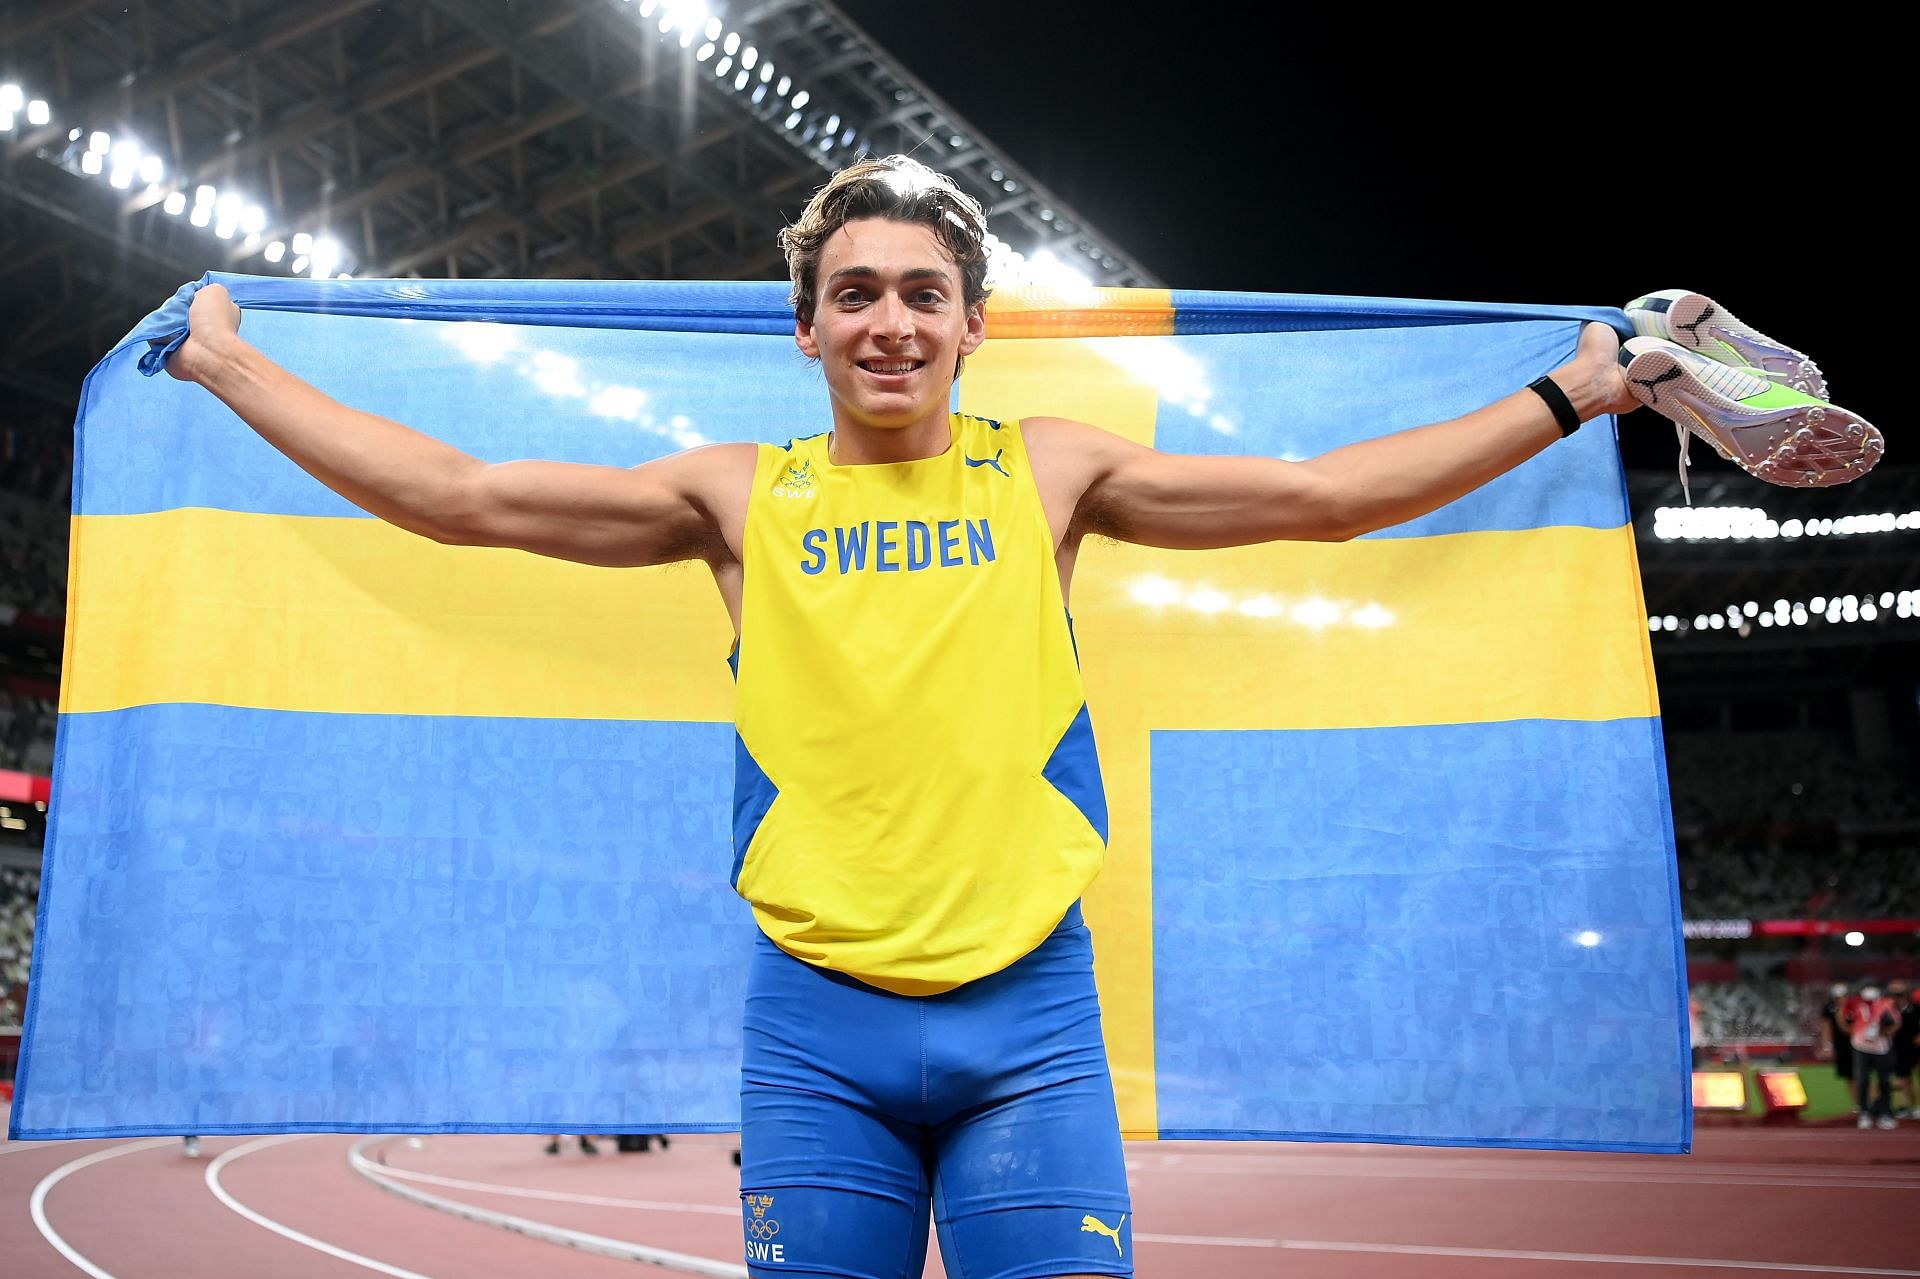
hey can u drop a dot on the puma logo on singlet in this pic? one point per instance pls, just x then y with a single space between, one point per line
1092 1225
993 461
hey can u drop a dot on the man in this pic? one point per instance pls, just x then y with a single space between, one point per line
918 806
1871 1019
1906 1048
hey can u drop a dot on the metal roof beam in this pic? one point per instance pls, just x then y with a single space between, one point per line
266 31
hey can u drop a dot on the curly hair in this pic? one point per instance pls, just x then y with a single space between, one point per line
899 189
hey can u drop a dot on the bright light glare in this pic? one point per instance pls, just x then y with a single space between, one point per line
175 203
1856 939
1587 937
37 112
326 256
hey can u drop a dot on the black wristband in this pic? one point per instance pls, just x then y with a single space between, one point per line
1563 413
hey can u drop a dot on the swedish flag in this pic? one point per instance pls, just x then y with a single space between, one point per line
355 831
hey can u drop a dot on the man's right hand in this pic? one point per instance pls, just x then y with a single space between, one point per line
213 323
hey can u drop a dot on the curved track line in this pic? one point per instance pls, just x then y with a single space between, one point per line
1597 1258
288 1232
38 1206
601 1244
554 1196
1512 1254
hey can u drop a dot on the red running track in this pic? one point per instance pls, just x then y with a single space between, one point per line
1747 1202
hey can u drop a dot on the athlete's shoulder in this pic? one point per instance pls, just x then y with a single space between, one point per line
1065 443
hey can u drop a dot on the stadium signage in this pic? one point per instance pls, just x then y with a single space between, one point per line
1717 929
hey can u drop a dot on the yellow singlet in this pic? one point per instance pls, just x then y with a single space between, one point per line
916 797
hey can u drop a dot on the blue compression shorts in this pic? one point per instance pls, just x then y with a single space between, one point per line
990 1104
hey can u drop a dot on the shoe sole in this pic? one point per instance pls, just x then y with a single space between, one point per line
1700 324
1807 446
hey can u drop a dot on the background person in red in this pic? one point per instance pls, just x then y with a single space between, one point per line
1870 1019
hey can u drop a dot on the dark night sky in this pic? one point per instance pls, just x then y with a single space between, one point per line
1463 157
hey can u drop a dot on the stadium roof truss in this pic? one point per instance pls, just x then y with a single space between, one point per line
146 141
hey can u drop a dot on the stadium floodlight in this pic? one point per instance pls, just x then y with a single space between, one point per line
152 168
100 143
704 52
786 83
204 195
6 121
90 163
684 14
299 264
201 215
723 66
276 250
11 97
176 203
253 220
1856 938
801 99
751 56
326 256
732 45
740 81
302 244
122 177
766 72
37 112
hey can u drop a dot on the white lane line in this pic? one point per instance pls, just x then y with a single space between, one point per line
1601 1258
1209 1241
554 1196
38 1205
601 1244
288 1232
1510 1254
1706 1176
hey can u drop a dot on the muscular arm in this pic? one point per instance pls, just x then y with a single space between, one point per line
1137 494
666 510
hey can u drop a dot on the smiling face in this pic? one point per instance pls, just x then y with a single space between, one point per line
890 327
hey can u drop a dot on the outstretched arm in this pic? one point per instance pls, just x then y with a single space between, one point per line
662 511
1136 494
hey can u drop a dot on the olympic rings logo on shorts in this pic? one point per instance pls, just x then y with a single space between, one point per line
762 1229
